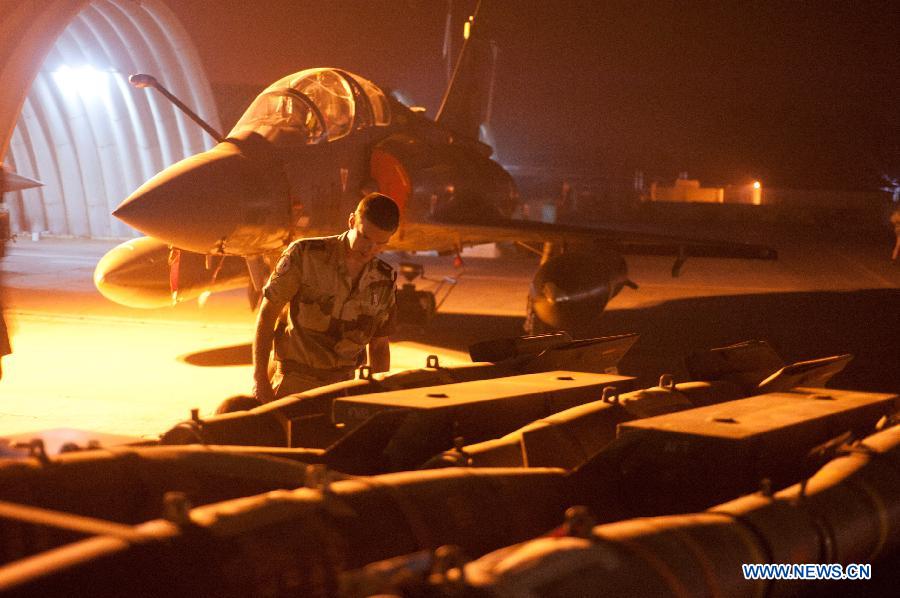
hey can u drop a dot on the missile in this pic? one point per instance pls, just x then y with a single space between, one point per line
141 273
844 513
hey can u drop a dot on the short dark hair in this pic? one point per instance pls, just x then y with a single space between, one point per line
380 210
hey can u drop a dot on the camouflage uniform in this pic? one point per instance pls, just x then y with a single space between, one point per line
330 321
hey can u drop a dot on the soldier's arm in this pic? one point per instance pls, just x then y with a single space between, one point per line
266 319
283 284
380 354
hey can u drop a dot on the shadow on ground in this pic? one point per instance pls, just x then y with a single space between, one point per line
798 325
223 356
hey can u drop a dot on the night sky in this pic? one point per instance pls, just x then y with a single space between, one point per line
797 94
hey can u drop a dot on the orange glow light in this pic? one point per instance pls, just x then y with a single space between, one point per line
756 193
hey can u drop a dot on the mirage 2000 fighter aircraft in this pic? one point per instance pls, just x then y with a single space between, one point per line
303 154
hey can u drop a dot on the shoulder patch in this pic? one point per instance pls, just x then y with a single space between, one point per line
284 263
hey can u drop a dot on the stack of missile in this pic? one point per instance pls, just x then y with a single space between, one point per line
235 522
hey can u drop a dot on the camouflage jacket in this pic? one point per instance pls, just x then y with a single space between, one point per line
331 319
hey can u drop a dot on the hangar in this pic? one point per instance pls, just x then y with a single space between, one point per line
70 119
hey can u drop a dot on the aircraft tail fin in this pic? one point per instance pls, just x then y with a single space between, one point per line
747 364
815 372
599 355
467 101
757 367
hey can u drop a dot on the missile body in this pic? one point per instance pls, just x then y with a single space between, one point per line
139 273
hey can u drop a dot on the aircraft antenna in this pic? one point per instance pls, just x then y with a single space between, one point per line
448 42
142 81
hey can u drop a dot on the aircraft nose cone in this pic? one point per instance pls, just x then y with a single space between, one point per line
216 200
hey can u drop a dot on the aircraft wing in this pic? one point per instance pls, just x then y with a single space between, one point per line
626 240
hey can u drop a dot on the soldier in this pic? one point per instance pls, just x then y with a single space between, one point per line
341 303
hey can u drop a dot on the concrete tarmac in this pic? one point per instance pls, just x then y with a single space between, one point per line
81 361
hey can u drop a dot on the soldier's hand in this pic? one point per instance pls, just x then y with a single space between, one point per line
262 390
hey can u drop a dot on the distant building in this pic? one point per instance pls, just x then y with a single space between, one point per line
688 190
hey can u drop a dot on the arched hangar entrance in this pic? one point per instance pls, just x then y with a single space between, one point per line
83 131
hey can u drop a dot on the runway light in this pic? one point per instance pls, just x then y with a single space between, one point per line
83 81
756 194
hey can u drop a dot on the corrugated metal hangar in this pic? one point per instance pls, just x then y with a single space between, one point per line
76 124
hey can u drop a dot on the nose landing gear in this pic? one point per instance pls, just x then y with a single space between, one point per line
415 307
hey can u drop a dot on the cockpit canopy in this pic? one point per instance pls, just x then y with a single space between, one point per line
314 105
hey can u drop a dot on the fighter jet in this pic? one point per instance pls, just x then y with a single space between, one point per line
300 158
